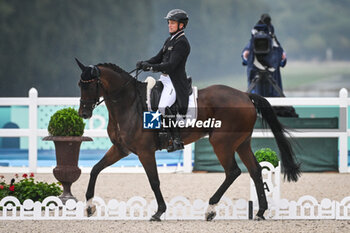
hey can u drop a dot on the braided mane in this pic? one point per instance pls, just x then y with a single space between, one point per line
114 67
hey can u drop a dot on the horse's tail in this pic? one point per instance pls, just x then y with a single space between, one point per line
291 168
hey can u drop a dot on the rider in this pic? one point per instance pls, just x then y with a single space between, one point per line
171 62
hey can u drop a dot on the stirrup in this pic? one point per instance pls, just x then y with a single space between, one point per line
176 144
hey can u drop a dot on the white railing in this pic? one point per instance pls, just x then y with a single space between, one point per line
181 208
178 208
33 101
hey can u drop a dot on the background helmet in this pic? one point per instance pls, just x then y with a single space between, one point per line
266 19
178 15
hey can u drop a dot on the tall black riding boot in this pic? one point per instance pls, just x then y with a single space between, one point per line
175 141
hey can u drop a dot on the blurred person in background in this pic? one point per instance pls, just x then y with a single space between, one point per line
263 56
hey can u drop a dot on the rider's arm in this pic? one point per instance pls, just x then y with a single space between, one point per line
180 51
157 58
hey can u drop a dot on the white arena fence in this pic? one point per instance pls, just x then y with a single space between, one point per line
32 132
180 208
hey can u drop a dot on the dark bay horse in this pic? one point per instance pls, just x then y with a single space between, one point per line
125 100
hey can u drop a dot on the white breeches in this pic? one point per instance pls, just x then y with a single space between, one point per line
168 97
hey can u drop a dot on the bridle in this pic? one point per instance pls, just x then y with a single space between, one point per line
91 102
95 72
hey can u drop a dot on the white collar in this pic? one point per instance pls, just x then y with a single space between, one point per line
181 31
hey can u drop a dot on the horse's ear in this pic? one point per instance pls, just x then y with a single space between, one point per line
82 67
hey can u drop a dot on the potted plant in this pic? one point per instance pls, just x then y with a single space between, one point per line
66 128
268 155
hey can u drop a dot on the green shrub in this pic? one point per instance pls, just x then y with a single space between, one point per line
268 155
27 188
66 122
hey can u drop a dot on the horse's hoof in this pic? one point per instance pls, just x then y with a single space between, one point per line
90 210
155 218
210 215
259 218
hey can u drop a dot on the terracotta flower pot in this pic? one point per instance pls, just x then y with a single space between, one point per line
67 156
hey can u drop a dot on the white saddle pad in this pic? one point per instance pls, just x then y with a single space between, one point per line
192 101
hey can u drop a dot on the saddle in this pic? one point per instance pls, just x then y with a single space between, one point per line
156 92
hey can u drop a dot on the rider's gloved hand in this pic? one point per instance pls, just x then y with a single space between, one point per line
146 66
139 65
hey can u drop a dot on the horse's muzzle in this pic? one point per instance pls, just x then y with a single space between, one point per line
84 113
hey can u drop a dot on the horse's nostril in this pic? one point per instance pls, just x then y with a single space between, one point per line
84 115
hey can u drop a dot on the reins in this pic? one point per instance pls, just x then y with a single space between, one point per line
97 101
127 83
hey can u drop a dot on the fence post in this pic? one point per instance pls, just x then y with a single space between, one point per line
187 158
343 127
33 124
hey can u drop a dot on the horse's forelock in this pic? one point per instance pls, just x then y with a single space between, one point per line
86 74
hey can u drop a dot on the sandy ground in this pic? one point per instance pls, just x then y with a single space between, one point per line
192 186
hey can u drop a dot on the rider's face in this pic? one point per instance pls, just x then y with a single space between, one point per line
172 24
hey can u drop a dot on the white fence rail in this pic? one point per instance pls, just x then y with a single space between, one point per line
33 101
179 208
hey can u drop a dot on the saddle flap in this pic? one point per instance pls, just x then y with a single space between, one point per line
189 79
156 93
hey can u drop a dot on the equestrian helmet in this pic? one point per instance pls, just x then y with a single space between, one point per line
178 15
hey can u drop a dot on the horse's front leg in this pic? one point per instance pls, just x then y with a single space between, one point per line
113 155
148 161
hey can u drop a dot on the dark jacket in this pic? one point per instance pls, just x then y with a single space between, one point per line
171 60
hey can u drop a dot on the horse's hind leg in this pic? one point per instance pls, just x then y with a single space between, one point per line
254 168
113 155
225 154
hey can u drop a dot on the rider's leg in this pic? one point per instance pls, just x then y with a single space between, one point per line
168 97
176 142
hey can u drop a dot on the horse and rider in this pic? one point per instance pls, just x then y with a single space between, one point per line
125 99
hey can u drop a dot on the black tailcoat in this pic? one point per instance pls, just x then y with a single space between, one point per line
171 60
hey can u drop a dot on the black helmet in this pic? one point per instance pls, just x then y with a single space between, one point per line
178 15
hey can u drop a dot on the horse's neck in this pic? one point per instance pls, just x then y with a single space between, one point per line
129 105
